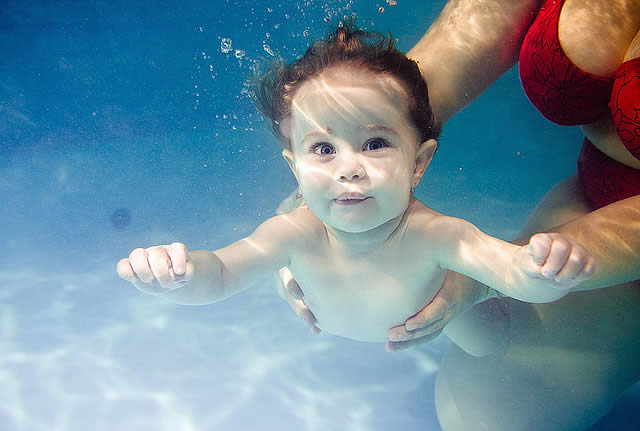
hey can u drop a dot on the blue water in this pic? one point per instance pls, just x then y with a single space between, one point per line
133 105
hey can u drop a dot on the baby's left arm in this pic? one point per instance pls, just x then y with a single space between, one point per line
550 262
544 270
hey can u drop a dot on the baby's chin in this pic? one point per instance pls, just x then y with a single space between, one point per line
364 226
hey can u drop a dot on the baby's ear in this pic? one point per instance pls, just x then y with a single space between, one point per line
287 155
424 155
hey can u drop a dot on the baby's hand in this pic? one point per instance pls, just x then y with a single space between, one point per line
562 262
157 270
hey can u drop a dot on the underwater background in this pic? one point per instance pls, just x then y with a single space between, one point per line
127 124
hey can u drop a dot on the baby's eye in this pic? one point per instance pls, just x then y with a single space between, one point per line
375 144
323 148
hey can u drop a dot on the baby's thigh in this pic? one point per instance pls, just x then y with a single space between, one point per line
508 394
566 365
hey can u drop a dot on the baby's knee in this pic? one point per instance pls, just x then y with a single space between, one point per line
482 330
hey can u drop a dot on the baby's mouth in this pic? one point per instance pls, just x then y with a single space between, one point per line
350 198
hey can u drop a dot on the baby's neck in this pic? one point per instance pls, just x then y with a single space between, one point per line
363 242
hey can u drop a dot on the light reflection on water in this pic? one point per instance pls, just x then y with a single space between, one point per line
95 355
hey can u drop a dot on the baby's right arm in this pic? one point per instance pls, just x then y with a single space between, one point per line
204 277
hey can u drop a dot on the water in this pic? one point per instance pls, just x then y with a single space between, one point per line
126 124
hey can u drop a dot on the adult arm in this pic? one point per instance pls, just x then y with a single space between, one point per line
469 46
611 234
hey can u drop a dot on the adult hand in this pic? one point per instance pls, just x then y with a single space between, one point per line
457 294
290 291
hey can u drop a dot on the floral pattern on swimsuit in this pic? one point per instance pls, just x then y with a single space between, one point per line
625 105
563 93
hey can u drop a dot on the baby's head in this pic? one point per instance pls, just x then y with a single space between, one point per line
354 119
366 51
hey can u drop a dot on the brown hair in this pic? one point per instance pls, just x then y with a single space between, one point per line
275 90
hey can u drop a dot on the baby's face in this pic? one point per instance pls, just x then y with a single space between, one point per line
353 148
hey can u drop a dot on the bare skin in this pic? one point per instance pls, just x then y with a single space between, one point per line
573 372
356 163
574 356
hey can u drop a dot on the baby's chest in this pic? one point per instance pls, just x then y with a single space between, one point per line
377 291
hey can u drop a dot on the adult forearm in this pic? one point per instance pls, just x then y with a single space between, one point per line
612 235
469 46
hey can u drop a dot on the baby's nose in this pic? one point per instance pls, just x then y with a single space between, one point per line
351 170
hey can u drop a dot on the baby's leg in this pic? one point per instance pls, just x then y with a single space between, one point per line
565 366
482 330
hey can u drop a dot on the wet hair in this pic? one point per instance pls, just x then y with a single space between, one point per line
274 92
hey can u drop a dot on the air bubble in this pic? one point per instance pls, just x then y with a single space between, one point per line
225 45
268 49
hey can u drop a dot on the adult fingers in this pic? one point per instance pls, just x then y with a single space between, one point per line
394 346
429 315
303 312
290 284
400 333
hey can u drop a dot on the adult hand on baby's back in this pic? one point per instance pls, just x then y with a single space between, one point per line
290 291
457 294
157 270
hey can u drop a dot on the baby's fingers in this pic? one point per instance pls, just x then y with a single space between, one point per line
139 260
580 266
558 254
125 271
539 247
161 265
182 268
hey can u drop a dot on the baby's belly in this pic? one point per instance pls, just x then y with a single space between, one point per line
366 311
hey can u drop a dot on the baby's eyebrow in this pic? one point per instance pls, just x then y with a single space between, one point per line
322 132
380 127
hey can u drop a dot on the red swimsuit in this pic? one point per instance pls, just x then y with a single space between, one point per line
567 95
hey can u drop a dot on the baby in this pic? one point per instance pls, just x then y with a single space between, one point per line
358 134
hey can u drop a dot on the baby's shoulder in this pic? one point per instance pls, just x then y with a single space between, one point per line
304 223
421 218
424 223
